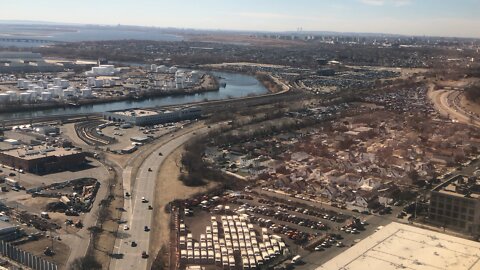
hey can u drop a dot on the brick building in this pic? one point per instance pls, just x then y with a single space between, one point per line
42 160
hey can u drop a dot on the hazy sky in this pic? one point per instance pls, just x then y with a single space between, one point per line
418 17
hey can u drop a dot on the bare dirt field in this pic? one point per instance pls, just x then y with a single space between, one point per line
469 105
62 251
169 188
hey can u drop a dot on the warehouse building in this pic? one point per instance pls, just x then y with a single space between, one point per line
40 159
143 117
399 246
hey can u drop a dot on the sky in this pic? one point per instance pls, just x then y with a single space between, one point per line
409 17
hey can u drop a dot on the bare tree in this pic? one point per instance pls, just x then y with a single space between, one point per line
85 263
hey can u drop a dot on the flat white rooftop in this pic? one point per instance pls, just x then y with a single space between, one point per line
137 112
399 246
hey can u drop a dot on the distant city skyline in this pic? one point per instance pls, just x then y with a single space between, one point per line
405 17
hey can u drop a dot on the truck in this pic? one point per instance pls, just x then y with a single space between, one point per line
11 182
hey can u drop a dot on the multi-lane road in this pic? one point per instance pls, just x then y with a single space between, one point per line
137 213
447 102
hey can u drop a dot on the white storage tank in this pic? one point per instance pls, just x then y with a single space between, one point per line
91 81
57 91
46 96
98 83
86 92
4 98
68 93
43 83
64 84
57 82
162 69
13 95
21 83
195 76
25 97
172 70
160 83
33 93
38 89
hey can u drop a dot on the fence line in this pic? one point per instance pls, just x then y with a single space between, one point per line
25 258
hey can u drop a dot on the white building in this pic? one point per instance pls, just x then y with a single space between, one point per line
102 70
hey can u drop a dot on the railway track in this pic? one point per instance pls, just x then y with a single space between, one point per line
87 131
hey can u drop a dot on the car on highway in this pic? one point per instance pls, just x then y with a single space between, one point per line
127 194
125 227
146 228
144 200
133 244
150 207
149 169
160 154
144 255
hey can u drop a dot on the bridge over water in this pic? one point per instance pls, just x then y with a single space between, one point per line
30 40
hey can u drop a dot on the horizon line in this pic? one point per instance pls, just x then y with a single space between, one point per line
46 23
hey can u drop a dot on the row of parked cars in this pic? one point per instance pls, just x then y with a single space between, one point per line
287 217
329 241
325 214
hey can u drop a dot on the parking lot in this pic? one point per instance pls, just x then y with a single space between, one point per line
315 231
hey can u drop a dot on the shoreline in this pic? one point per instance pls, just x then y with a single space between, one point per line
152 93
265 80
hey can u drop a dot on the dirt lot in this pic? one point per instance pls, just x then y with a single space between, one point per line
62 251
470 106
168 188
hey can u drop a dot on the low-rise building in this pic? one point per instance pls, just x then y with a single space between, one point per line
455 204
40 159
144 117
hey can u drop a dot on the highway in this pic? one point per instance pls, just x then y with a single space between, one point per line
137 214
447 102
